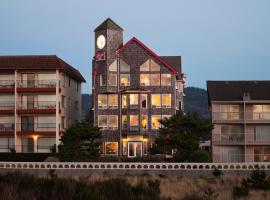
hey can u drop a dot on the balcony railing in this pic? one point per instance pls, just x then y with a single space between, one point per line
7 84
227 116
37 84
5 105
258 115
25 105
34 127
228 137
7 127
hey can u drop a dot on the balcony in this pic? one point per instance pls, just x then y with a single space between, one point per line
33 107
36 86
7 86
228 138
257 117
44 129
7 129
227 117
257 139
7 107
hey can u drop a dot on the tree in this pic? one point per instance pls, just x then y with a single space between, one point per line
182 133
80 142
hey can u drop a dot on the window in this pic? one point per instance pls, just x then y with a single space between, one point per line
261 111
150 65
102 121
112 121
111 148
145 79
261 133
124 67
166 100
232 133
113 101
76 105
166 79
102 80
124 101
155 101
155 79
69 82
77 86
144 122
102 101
134 121
143 100
113 67
46 122
230 112
69 102
63 122
63 80
124 79
63 101
155 121
262 154
112 79
133 99
6 143
124 121
45 144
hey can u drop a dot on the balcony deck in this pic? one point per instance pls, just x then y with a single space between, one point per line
36 86
35 107
44 129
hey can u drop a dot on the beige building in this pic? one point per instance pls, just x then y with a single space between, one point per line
240 113
40 96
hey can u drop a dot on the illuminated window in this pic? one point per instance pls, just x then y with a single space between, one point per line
102 121
124 79
124 121
113 67
154 66
102 101
166 79
155 101
155 79
145 79
134 120
261 111
143 100
166 100
133 99
112 121
112 79
144 122
111 148
145 67
113 100
124 67
124 101
231 112
155 121
150 65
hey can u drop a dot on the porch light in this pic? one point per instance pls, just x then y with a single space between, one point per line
35 137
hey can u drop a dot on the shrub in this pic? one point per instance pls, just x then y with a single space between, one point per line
209 194
217 173
240 191
259 180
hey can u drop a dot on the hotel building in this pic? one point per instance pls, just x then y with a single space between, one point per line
40 96
240 113
133 88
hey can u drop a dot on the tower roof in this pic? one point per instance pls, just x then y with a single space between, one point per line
108 24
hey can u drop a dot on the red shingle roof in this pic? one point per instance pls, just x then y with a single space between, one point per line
41 62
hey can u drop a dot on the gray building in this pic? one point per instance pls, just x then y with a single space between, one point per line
133 88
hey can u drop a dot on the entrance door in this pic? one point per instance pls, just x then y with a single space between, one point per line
27 145
134 149
27 123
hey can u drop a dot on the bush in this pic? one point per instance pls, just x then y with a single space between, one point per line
25 157
240 191
217 173
192 156
259 180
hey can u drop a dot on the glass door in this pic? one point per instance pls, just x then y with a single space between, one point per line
27 123
134 149
27 145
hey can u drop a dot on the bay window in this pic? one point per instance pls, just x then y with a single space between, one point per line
155 79
145 79
166 79
155 101
133 100
134 122
166 100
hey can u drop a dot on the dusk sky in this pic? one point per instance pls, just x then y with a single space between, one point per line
218 40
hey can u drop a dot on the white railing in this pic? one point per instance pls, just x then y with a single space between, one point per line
133 166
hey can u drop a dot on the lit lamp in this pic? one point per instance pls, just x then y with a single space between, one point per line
35 137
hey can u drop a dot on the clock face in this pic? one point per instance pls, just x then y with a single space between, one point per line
101 41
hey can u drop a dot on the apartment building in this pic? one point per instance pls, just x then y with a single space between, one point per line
240 113
133 89
40 96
